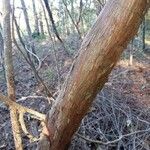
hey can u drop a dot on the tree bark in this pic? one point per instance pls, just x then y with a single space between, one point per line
26 18
72 19
45 17
1 49
101 48
143 34
54 26
99 4
41 24
9 72
36 20
52 20
31 42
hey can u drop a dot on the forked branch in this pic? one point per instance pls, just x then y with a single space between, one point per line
22 109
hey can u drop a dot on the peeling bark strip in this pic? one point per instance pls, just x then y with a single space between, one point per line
115 27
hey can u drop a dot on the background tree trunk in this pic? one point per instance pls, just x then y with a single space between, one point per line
143 34
10 74
31 42
36 20
41 24
45 17
26 18
1 47
101 48
72 18
52 20
2 50
99 4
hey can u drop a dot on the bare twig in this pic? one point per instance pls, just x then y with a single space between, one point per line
114 141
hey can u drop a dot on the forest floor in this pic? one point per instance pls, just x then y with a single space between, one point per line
122 107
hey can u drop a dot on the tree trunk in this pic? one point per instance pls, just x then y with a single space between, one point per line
26 18
41 24
45 17
101 48
72 18
10 74
52 20
54 26
143 34
31 42
1 49
80 14
36 25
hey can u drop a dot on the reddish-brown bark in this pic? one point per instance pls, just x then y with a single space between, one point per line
101 48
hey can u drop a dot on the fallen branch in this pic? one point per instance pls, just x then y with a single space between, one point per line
32 97
24 129
20 108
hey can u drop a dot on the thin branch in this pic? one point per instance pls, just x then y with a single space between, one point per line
74 23
24 129
31 97
53 22
39 79
20 108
